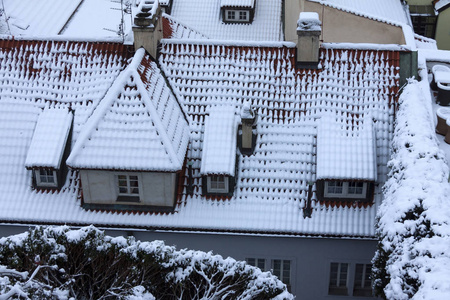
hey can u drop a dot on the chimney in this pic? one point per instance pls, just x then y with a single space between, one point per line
147 27
308 31
248 139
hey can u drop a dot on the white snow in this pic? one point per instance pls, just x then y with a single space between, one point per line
237 3
49 138
219 141
309 21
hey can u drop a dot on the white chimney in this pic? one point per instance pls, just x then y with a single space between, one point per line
147 28
308 31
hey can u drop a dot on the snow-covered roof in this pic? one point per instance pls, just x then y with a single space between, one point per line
205 17
219 141
440 4
237 3
271 184
94 19
380 10
49 138
343 153
138 125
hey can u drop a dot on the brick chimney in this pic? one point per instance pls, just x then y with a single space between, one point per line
147 27
308 31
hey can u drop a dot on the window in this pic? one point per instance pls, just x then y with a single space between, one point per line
279 267
257 262
217 184
46 178
338 279
363 281
282 269
237 15
423 19
128 185
340 189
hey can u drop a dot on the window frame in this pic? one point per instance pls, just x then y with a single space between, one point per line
345 190
40 183
128 196
362 284
269 266
215 190
338 289
237 15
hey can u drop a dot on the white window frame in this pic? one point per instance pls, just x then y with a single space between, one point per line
128 187
237 15
209 183
362 287
338 286
345 190
39 182
281 275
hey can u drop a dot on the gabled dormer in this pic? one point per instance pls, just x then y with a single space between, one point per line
50 148
237 11
218 167
346 162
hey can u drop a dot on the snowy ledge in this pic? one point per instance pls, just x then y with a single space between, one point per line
229 43
59 38
413 256
365 46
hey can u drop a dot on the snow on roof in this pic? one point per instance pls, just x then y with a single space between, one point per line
137 126
389 11
38 17
308 21
49 138
172 28
97 19
440 4
237 3
271 185
219 141
346 153
204 16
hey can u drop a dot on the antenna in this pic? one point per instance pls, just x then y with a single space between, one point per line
6 17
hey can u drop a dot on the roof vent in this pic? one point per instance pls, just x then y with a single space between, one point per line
308 31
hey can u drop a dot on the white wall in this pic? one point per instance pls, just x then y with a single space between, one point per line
156 189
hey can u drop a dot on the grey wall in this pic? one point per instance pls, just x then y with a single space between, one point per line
100 187
310 257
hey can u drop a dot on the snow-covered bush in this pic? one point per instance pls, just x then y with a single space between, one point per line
413 256
60 263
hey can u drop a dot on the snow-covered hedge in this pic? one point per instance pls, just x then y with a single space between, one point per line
413 256
59 263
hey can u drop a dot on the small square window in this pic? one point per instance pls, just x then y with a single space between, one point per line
338 279
243 16
344 189
335 187
128 185
46 178
355 188
217 184
231 15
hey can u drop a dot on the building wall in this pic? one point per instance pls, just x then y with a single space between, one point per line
341 27
156 189
310 257
443 30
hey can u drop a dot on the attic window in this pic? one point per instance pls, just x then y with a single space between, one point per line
46 178
351 189
424 19
237 15
128 185
217 184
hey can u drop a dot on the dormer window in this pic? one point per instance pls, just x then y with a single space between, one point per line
346 161
50 148
217 184
237 11
218 167
340 189
46 178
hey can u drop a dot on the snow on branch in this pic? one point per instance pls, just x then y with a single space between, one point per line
413 256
